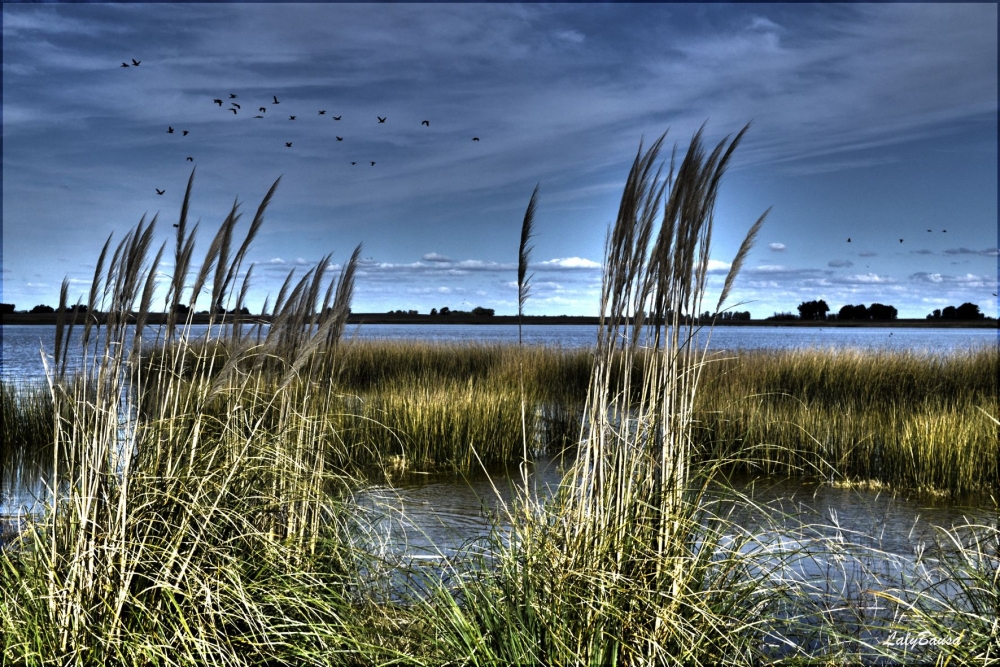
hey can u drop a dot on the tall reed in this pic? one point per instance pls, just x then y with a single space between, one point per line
174 534
616 569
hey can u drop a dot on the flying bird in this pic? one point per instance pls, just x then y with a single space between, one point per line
380 119
288 144
170 130
219 102
427 123
124 65
159 191
234 111
848 239
231 96
291 118
373 163
184 133
275 99
337 117
900 240
176 225
945 231
322 113
190 159
475 138
135 62
258 116
236 105
340 138
354 163
262 109
928 230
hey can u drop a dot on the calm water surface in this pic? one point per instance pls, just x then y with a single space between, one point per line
22 345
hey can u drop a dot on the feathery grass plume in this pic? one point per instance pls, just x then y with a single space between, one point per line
60 324
523 257
220 282
182 260
737 265
523 290
255 225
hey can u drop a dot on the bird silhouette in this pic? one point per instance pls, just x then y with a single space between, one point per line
426 123
354 163
475 138
322 113
900 240
262 109
234 111
340 138
231 96
176 225
275 99
184 133
848 239
170 130
337 117
258 116
236 105
288 144
219 102
945 231
380 119
928 230
124 65
135 62
190 159
291 118
373 163
159 191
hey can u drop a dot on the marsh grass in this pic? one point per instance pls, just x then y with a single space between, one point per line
610 571
173 534
903 419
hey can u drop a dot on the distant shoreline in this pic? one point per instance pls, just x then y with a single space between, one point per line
396 318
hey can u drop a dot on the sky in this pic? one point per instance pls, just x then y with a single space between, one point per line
870 122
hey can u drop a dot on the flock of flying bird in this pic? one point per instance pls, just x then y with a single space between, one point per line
235 107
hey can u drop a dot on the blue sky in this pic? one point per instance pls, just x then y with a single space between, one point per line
873 122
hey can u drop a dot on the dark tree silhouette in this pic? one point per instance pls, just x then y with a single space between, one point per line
858 312
813 310
881 312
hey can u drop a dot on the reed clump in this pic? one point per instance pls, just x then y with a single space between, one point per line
174 534
618 568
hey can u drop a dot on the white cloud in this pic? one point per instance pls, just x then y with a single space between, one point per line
434 257
840 263
569 263
777 247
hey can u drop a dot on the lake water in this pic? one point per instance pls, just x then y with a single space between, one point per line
22 344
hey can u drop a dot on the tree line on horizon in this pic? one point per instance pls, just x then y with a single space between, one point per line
876 312
808 310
